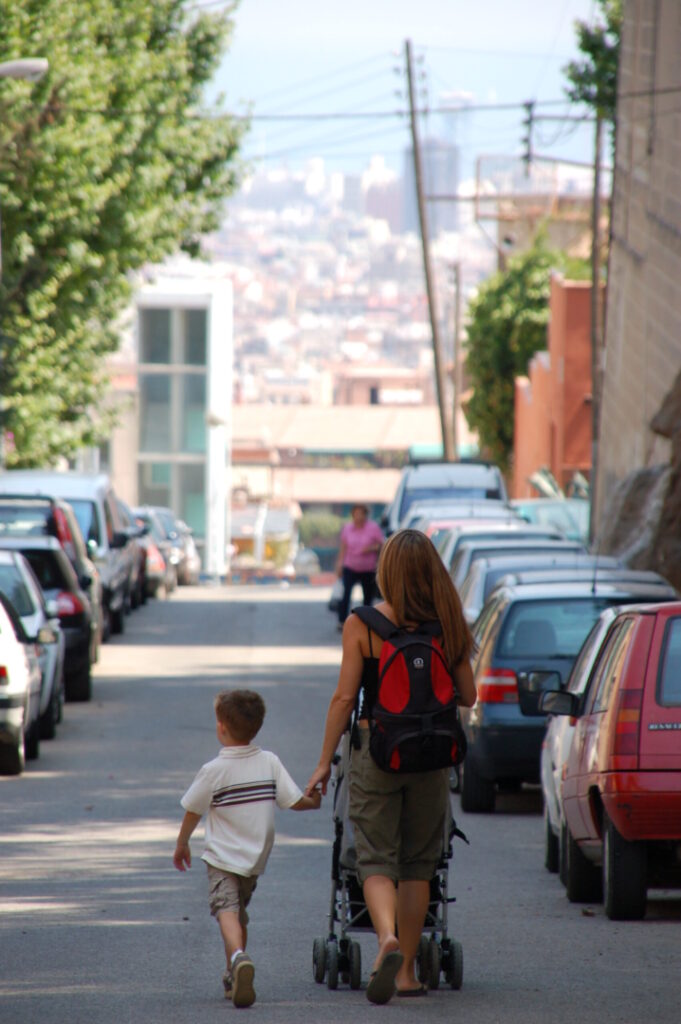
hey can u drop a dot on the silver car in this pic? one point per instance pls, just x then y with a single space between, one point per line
19 693
41 625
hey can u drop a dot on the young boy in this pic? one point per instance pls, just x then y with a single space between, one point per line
237 791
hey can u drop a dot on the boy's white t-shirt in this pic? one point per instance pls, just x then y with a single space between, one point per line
237 792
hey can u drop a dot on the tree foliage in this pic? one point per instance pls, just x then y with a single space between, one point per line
507 324
110 162
593 80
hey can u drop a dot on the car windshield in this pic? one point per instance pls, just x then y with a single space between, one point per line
86 514
669 687
550 629
13 587
18 520
47 568
422 494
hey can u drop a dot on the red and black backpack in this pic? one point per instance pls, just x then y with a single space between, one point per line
414 723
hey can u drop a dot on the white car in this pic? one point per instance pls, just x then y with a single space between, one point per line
19 693
41 624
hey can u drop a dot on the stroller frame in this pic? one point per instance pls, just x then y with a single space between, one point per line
337 957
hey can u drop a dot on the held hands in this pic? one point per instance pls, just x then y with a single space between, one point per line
316 797
320 776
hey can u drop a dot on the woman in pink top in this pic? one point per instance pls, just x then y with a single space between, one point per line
360 542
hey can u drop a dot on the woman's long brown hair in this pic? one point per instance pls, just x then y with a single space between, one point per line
415 583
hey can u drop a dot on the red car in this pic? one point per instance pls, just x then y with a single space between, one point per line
621 787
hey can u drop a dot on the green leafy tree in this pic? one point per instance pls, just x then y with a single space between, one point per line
107 164
593 79
507 325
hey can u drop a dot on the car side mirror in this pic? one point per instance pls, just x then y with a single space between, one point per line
119 539
532 685
562 703
46 635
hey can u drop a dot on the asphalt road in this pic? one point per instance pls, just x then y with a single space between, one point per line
97 926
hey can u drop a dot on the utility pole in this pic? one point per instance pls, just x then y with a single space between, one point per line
447 440
458 368
596 353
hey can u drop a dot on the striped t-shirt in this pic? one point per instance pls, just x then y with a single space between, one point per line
237 791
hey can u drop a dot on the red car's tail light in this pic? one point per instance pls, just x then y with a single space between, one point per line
4 675
625 743
498 686
155 560
69 604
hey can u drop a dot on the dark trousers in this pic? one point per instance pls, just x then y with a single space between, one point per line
350 577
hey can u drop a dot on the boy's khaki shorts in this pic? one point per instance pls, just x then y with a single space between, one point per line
227 891
398 820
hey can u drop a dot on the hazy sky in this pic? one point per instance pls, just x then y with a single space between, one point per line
323 57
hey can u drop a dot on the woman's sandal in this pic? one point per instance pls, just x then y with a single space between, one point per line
422 990
381 987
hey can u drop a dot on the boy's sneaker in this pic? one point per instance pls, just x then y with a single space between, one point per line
227 984
243 972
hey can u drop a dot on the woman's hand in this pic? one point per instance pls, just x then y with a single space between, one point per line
320 776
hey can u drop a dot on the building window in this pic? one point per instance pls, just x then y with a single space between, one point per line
155 425
153 483
193 406
192 491
154 327
194 330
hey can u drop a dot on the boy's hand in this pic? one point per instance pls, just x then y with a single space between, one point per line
316 798
182 858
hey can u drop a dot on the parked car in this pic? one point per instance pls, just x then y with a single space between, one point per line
159 574
442 480
28 515
571 515
458 511
472 550
94 503
523 628
137 590
169 523
621 787
532 566
479 530
19 693
189 569
20 586
60 584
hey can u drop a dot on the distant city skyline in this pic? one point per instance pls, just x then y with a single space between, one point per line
296 66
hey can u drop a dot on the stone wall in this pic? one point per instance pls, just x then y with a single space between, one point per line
643 313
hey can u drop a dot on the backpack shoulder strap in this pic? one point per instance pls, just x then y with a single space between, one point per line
376 621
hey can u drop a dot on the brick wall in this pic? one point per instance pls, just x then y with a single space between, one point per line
643 314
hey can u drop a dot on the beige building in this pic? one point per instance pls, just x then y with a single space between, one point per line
643 313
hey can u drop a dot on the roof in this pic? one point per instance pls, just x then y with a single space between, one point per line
336 428
68 484
37 542
568 591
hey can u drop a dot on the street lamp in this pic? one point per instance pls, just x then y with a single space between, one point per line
30 69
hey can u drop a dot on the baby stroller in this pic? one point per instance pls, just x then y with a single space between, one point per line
336 956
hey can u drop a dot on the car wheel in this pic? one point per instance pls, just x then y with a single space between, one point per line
12 757
562 854
477 794
32 742
79 685
551 846
583 878
624 876
118 620
47 723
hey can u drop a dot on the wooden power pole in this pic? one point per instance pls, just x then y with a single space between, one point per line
596 345
447 438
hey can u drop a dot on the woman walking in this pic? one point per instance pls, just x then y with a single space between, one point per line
398 819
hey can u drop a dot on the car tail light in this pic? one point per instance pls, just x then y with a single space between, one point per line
498 686
627 726
69 604
155 560
63 532
4 675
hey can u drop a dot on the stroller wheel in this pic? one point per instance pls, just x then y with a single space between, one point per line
434 963
355 955
331 964
423 960
319 960
454 973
